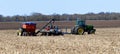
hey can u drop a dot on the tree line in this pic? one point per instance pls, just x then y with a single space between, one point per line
62 17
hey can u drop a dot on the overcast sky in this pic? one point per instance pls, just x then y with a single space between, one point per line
26 7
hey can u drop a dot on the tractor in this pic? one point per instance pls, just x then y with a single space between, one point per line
80 28
29 28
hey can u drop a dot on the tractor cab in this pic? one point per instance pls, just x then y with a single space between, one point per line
80 23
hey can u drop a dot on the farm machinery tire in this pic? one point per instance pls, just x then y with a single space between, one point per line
79 30
92 31
21 32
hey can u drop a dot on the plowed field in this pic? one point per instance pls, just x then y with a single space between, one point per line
64 24
105 41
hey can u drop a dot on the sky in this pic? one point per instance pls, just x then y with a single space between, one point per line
27 7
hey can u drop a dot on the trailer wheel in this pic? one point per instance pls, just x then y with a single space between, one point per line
33 34
18 33
25 34
48 34
62 34
21 31
44 33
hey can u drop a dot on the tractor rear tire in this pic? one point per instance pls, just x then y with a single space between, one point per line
79 30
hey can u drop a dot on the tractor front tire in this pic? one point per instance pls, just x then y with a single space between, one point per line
92 31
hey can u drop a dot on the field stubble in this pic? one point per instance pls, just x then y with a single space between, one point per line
105 41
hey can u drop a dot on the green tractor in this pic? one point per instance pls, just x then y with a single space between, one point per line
80 28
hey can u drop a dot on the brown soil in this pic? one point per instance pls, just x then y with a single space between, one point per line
105 41
64 24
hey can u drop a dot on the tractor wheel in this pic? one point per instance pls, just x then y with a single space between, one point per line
79 30
92 31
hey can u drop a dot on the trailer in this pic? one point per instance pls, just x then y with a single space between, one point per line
29 28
